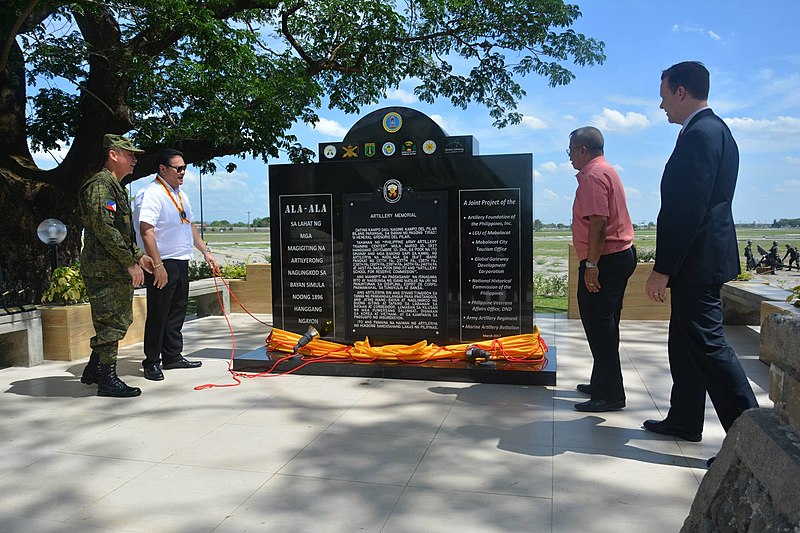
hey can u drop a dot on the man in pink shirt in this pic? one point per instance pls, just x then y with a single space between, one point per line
602 233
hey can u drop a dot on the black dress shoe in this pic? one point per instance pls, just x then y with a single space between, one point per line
665 428
585 388
152 372
711 461
600 406
181 362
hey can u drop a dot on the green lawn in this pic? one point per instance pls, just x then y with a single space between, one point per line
550 304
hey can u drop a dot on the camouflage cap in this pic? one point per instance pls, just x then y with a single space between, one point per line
118 141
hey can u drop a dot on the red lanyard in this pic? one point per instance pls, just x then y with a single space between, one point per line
179 207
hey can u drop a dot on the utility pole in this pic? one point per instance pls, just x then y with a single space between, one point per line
248 221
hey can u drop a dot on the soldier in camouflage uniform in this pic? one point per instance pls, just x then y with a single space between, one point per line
111 263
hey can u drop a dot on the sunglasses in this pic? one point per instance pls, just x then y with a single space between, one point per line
181 168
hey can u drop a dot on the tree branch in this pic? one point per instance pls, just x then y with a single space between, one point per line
12 35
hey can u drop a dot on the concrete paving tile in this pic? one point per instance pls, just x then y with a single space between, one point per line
247 448
631 491
48 430
143 439
423 510
10 522
416 419
505 467
388 459
327 390
73 482
490 394
173 498
293 413
289 504
480 425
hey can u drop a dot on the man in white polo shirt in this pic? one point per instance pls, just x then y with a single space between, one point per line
163 219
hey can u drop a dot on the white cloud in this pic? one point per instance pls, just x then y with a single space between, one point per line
533 123
233 182
567 168
330 128
552 167
549 166
632 192
550 196
401 95
685 28
538 177
790 186
779 126
571 118
613 120
439 119
795 161
619 168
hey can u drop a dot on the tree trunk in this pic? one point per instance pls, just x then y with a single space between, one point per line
24 259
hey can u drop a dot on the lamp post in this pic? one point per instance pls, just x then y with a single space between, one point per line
202 222
52 232
248 221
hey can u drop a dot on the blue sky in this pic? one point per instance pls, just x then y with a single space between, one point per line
748 47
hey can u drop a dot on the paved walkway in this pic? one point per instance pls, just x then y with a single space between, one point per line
320 454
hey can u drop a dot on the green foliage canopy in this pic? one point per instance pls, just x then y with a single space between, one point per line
224 77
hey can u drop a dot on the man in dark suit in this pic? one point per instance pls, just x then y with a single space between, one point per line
696 252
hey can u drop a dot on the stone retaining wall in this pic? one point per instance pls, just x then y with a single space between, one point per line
754 484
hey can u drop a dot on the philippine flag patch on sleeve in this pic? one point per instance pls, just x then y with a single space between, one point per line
111 206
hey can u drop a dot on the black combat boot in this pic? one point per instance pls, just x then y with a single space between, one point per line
109 384
90 371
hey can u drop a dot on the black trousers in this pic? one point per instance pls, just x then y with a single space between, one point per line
600 315
166 311
701 360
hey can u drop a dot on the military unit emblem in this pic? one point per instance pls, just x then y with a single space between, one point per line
392 191
392 122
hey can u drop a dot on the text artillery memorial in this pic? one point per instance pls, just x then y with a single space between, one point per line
402 234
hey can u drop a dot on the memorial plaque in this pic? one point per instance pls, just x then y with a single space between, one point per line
306 249
491 286
397 256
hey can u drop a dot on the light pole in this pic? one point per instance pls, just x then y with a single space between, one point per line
52 232
202 224
248 221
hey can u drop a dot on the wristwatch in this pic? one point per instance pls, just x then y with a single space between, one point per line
589 264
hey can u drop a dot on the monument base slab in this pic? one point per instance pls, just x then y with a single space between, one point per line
503 372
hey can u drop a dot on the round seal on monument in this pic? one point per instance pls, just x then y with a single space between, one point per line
429 146
329 151
392 191
388 149
392 122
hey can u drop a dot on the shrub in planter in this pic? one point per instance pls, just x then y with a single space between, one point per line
66 286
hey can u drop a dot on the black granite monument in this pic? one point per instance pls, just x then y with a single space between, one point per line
402 233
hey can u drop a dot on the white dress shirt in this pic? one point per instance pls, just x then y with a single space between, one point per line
154 206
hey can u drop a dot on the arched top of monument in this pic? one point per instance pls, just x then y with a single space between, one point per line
393 121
